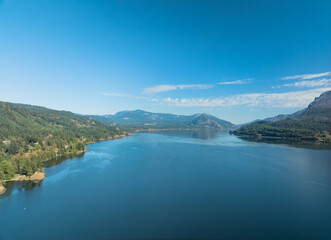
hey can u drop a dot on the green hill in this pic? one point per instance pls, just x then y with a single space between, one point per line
313 125
140 119
32 134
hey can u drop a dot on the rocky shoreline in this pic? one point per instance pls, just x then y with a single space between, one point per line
36 177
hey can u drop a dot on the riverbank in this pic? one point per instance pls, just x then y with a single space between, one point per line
36 177
39 176
117 136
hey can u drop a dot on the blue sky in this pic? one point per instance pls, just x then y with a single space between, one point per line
237 60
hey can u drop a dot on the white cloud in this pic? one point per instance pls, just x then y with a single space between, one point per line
167 88
314 83
307 76
285 100
243 81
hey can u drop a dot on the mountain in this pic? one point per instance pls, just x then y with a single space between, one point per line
311 125
31 134
102 118
208 121
146 120
244 124
284 116
319 109
140 117
277 118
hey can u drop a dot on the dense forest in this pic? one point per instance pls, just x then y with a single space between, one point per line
287 131
30 135
313 125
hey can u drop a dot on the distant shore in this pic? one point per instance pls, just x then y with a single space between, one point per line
141 130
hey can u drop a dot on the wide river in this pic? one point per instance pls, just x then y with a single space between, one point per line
176 185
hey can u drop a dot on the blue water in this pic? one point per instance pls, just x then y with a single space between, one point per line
176 185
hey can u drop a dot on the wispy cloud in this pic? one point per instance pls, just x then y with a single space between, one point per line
285 100
307 76
314 83
167 88
242 81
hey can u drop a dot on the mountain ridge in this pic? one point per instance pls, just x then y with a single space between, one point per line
31 134
310 125
143 119
276 118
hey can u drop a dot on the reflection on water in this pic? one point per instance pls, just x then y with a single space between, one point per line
176 185
58 160
204 134
15 187
61 175
291 144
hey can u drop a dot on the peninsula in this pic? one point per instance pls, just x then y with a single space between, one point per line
311 125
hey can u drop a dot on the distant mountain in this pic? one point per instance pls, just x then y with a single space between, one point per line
142 119
208 121
311 125
276 118
285 116
244 124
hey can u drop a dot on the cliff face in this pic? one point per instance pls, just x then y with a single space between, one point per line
319 109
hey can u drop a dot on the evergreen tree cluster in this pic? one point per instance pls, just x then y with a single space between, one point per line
287 131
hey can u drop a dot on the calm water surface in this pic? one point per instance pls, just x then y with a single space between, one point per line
176 185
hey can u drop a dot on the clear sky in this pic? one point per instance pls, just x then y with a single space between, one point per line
237 60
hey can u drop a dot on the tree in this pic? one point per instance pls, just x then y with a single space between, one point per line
7 169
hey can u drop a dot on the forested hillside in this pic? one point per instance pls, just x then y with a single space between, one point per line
313 125
139 119
30 134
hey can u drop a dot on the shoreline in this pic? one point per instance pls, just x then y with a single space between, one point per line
38 176
280 140
176 129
